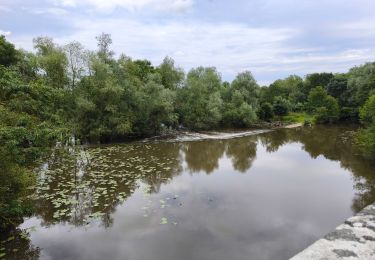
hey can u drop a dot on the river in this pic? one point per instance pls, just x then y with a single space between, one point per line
262 195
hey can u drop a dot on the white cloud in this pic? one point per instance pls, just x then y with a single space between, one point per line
270 52
5 33
5 9
229 46
49 11
363 28
131 5
68 3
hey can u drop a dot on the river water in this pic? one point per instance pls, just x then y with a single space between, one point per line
261 195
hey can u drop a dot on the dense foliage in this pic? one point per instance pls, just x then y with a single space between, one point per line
63 93
32 117
366 137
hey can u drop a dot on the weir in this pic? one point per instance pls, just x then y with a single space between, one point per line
354 239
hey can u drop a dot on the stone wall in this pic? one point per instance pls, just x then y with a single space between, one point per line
355 239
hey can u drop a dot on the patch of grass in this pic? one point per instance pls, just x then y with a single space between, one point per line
297 118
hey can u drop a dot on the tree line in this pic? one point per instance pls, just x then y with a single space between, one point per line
60 94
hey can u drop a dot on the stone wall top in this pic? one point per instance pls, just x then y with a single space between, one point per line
354 239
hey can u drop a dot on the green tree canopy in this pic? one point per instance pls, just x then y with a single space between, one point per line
8 53
324 106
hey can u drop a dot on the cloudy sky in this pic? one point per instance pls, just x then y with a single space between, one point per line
271 38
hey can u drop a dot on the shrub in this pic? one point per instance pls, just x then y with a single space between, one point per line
325 108
365 140
349 114
265 112
367 112
281 106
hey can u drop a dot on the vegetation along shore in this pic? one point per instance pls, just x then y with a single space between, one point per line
67 95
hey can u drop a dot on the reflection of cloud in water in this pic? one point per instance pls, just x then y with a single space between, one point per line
299 187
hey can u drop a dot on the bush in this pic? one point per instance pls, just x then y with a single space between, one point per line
349 114
367 112
247 114
325 108
365 140
281 106
296 117
308 122
265 112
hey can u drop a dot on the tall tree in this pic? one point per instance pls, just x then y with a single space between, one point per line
172 77
199 100
248 87
8 53
324 106
52 61
77 61
104 42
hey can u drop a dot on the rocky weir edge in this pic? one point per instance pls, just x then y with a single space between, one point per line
354 239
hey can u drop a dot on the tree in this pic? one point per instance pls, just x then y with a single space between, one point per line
337 88
143 68
104 43
156 108
247 115
314 80
329 113
240 101
317 98
30 122
171 76
290 88
52 62
265 112
8 53
281 106
361 84
365 138
77 61
102 113
248 87
325 107
199 100
367 112
237 112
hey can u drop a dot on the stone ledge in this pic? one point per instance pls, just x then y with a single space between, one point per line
354 239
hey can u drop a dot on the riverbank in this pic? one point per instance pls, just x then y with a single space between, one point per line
183 135
355 239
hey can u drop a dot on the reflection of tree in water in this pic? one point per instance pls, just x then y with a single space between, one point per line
203 155
274 140
15 244
334 143
242 152
79 186
161 155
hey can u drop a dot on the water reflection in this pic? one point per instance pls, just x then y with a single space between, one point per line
15 244
301 183
203 155
334 143
242 153
77 186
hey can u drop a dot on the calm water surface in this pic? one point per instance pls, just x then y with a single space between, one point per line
265 196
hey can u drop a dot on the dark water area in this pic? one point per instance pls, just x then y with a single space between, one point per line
264 196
